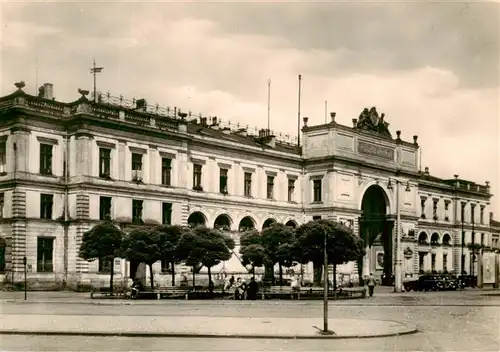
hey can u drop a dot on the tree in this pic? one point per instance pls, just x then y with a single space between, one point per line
277 241
102 242
143 246
203 246
168 239
252 251
342 245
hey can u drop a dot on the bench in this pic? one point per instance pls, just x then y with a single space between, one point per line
353 292
117 292
280 292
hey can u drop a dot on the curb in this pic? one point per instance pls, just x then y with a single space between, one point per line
407 331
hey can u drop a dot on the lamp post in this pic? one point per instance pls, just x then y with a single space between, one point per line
25 280
398 275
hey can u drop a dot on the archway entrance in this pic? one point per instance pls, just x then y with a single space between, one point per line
375 226
196 219
222 223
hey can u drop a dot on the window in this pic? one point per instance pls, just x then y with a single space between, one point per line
270 187
223 181
317 190
422 207
45 159
482 239
136 162
291 189
473 238
433 262
421 262
446 210
45 248
104 163
46 202
2 203
166 213
316 217
472 208
166 171
445 261
197 177
462 214
434 208
104 208
136 211
2 255
481 215
248 184
3 156
165 266
104 265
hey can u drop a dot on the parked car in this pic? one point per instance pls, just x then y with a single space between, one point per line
425 283
450 282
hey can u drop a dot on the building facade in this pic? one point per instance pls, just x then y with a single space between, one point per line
66 166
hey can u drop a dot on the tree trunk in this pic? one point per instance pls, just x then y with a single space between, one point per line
151 278
360 272
334 277
173 273
111 276
318 268
209 275
193 277
281 274
253 271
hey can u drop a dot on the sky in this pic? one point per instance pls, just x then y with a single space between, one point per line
431 67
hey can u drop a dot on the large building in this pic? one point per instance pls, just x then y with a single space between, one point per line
66 166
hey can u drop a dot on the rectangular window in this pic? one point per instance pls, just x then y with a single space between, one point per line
422 207
482 239
3 156
446 210
462 214
165 266
166 213
223 181
433 262
248 184
104 163
45 159
104 265
291 189
45 249
46 202
481 215
270 187
445 261
166 171
434 209
197 173
472 217
421 266
104 208
317 190
136 211
316 217
2 204
136 162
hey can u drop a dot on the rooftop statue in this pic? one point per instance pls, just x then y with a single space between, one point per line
369 120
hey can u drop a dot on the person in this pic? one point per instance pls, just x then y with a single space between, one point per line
136 288
252 290
231 281
371 284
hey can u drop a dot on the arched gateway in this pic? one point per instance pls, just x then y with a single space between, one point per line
375 227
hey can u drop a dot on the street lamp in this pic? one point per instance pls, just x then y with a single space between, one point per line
398 275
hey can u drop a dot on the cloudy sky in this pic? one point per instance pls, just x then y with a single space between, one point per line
431 67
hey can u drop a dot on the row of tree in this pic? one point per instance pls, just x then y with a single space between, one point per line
205 247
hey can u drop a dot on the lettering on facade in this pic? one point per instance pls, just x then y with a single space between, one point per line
375 150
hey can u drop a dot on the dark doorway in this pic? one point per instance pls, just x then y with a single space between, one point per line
376 231
222 223
268 223
196 219
246 224
291 223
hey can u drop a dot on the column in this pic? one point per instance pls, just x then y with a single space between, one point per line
121 159
21 157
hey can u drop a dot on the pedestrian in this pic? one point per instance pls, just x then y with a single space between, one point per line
252 290
231 280
371 284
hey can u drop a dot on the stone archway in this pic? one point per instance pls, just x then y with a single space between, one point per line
223 223
197 219
375 226
268 223
247 223
291 223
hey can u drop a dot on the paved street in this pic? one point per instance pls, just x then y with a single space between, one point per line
458 321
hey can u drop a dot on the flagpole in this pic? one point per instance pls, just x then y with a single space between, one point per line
95 70
269 104
298 113
326 109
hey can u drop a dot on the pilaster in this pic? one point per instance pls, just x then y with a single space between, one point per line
21 143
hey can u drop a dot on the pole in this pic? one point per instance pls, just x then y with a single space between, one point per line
462 258
269 104
95 85
472 241
399 271
326 109
325 286
36 77
298 113
25 280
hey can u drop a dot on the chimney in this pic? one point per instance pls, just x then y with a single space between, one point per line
203 121
354 123
398 134
140 105
491 216
415 139
47 92
305 119
426 170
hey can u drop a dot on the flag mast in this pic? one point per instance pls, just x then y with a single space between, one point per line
298 113
269 104
94 70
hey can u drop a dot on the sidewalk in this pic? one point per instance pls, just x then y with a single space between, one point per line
198 326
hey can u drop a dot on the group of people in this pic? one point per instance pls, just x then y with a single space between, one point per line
241 289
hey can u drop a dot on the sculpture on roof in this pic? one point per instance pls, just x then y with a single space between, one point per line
369 120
